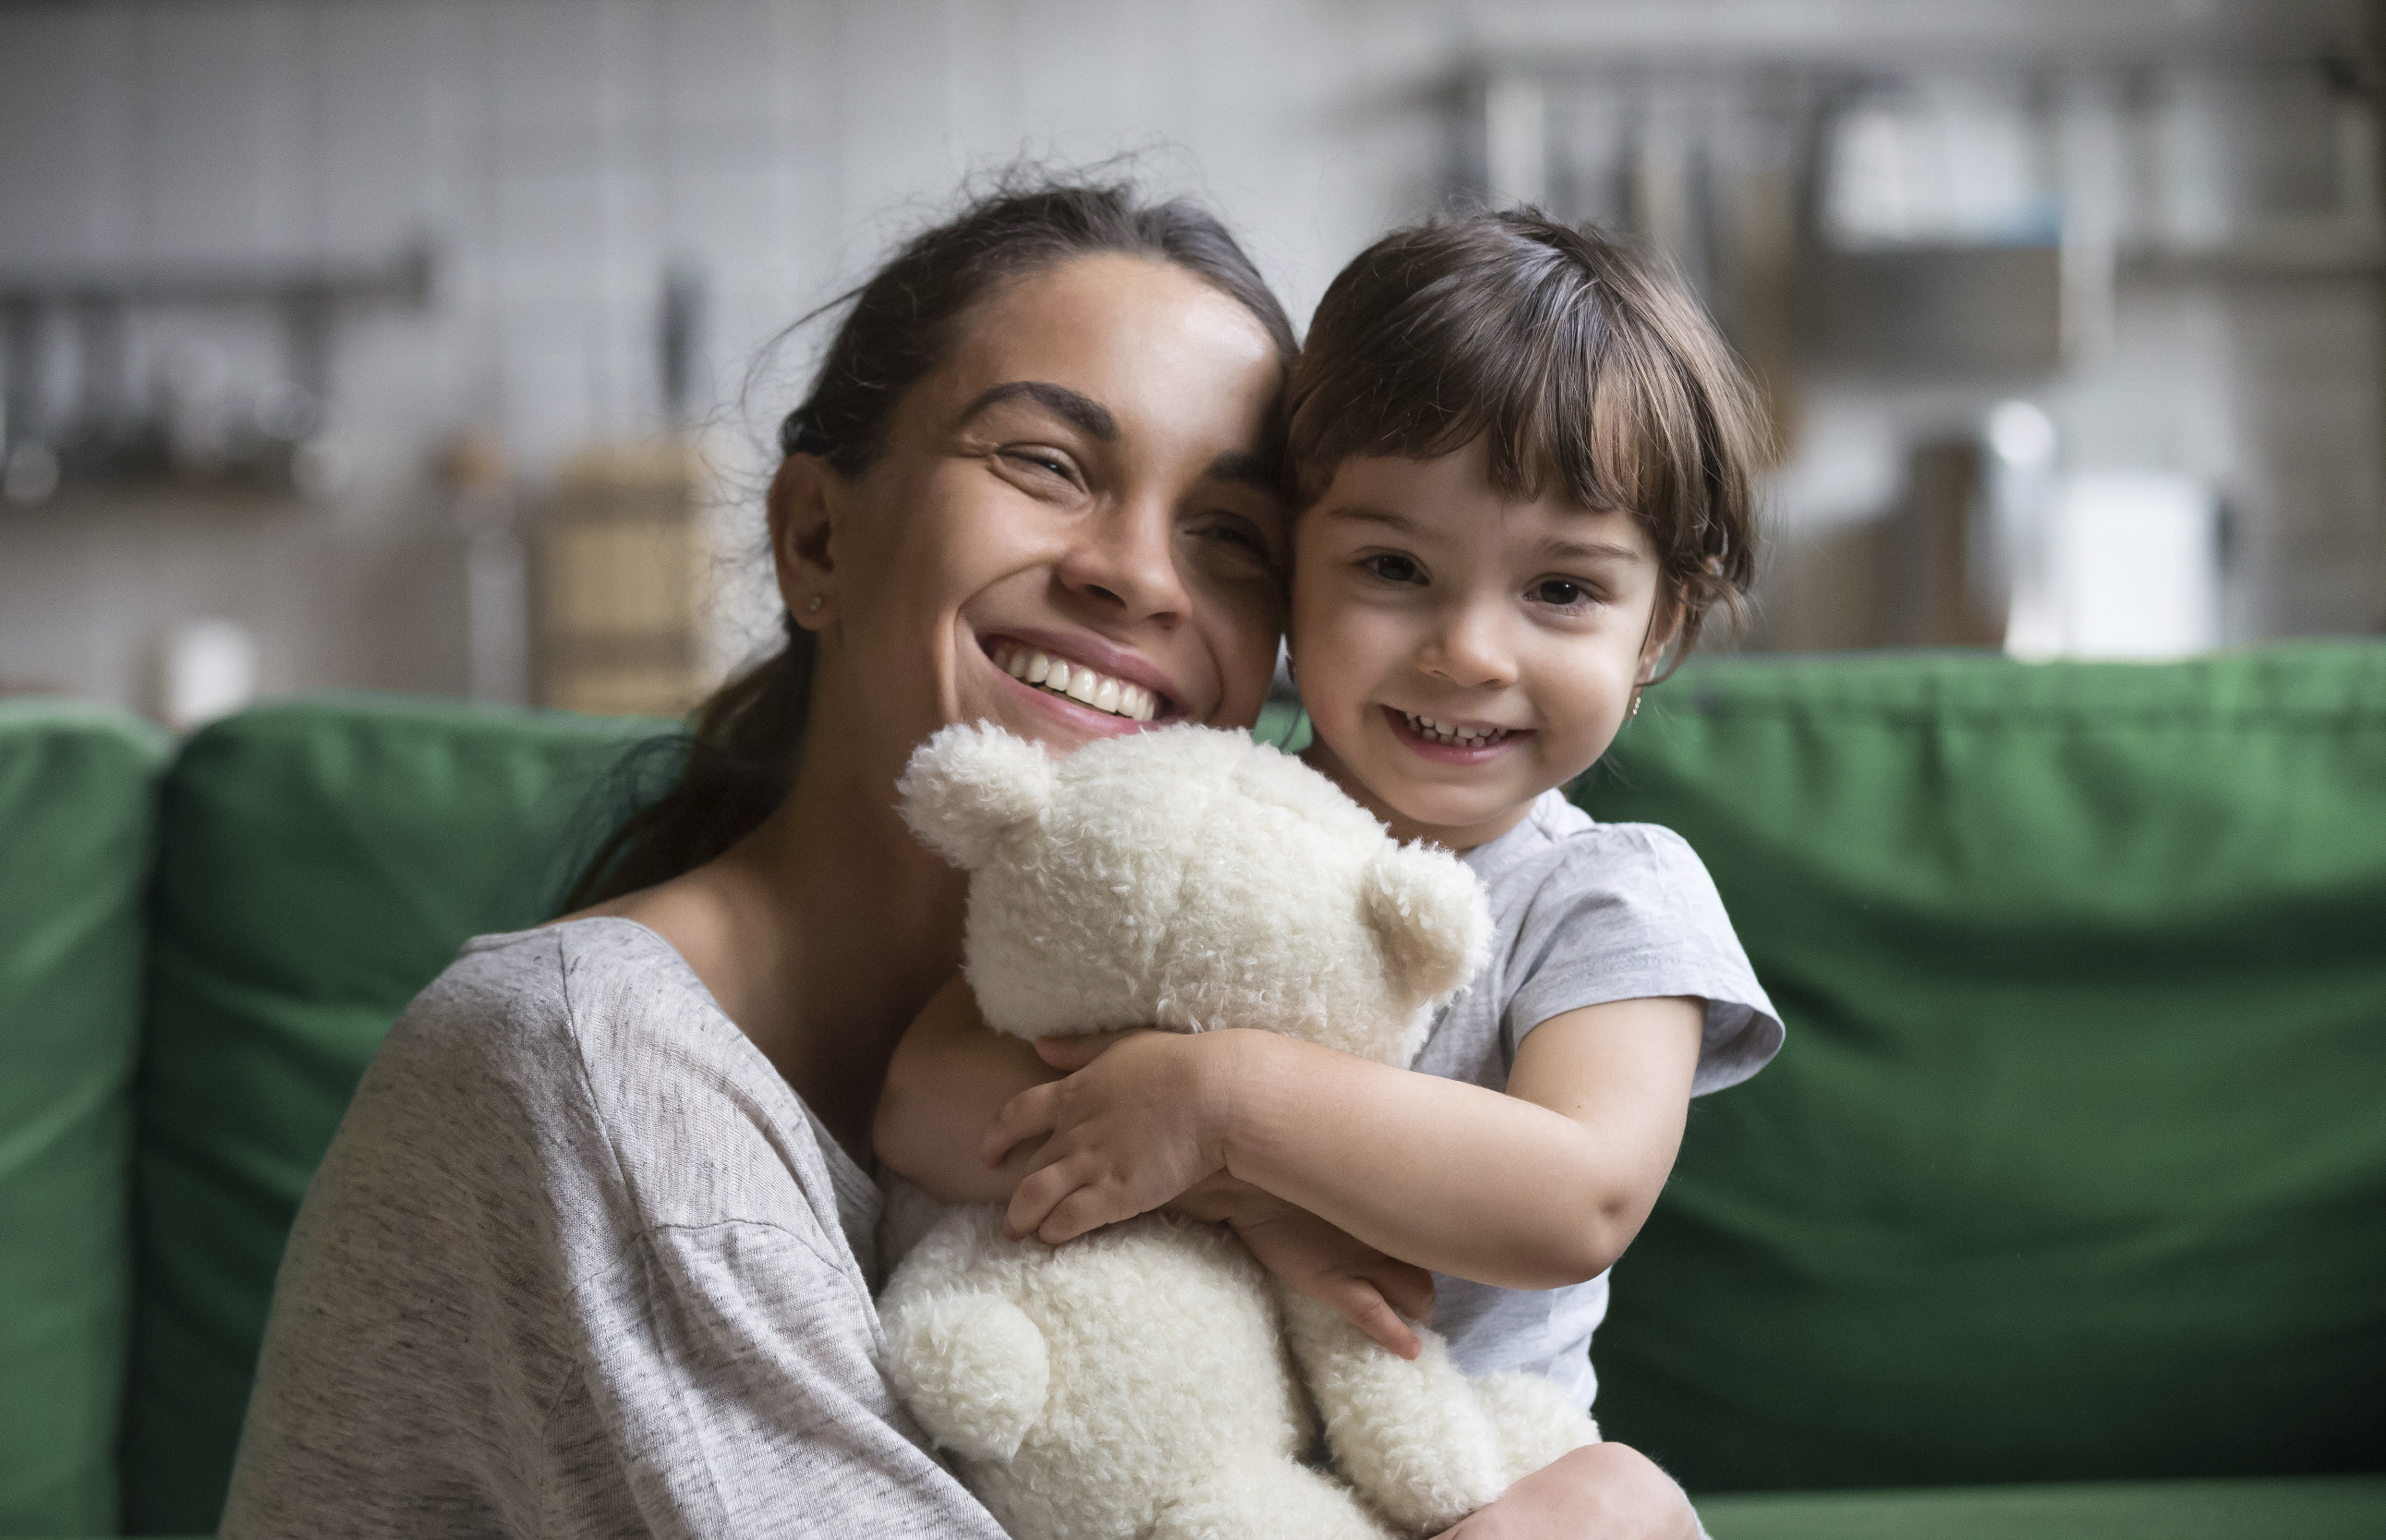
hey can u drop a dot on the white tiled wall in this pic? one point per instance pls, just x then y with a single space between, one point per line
560 154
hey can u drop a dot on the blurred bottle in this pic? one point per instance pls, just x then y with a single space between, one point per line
2014 559
209 671
497 571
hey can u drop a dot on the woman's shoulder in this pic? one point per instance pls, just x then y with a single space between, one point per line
595 1040
527 999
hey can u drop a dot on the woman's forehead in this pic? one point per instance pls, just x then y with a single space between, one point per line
1151 344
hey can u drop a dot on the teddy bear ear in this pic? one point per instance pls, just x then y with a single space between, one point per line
967 785
1429 913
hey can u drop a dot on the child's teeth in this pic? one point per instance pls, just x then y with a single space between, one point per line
1444 732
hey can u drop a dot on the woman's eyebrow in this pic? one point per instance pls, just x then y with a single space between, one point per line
1071 407
1249 469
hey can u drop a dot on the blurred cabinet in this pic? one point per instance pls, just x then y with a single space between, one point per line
621 572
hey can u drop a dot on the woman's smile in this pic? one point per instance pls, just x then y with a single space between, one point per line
1084 677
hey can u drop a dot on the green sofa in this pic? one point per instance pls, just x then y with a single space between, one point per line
2063 1213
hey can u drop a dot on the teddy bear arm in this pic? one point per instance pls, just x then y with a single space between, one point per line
964 1360
971 1368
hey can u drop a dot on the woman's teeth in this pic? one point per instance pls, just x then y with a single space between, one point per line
1079 683
1462 735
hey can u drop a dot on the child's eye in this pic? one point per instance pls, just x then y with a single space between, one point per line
1561 593
1391 568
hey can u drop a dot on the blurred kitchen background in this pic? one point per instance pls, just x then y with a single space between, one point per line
428 345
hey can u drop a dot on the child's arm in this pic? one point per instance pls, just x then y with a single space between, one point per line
1542 1187
952 1074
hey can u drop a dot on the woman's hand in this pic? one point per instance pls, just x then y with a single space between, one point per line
1599 1492
1141 1117
1369 1289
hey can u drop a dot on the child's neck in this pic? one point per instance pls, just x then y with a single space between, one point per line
1459 837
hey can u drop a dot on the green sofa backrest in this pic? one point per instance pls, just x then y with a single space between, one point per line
78 811
2072 1167
321 861
2075 1162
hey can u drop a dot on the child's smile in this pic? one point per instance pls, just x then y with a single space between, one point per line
1462 650
1452 742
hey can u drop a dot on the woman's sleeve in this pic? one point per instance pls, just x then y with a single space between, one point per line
727 1386
1626 913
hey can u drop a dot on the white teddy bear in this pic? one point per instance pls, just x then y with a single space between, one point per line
1150 1379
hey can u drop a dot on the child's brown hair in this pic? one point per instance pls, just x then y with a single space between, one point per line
1572 355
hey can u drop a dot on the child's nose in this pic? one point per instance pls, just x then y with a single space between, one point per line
1469 647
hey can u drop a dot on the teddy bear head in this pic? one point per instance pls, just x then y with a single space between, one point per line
1192 879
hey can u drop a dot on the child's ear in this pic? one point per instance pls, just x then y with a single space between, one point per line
1430 917
967 786
1666 613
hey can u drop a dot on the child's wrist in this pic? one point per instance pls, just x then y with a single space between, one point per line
1225 1071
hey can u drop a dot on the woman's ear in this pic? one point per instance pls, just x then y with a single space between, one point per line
803 500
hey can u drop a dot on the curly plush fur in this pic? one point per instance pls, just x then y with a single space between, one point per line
1150 1379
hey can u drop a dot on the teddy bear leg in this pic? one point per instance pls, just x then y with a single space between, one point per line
970 1367
1266 1498
1409 1433
1536 1421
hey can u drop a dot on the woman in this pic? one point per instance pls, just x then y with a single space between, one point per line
591 1251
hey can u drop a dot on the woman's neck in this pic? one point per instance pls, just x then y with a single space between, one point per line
822 934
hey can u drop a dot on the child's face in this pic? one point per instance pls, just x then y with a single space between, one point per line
1516 630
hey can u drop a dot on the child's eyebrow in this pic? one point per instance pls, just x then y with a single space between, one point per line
1371 516
1072 407
1591 551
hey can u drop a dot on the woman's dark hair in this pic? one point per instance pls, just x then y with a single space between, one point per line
742 746
1572 356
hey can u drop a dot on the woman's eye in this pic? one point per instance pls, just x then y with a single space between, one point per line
1392 568
1050 464
1234 531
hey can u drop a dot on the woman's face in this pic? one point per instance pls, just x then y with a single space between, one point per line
1077 496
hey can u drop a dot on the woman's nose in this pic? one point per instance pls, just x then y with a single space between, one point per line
1125 560
1468 647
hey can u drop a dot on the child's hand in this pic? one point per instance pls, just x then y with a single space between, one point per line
1140 1123
1373 1291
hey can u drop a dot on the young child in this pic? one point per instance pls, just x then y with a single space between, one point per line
1523 480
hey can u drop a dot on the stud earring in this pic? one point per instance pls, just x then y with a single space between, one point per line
811 606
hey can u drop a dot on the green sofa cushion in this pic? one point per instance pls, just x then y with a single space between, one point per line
78 807
2074 1164
321 862
2310 1507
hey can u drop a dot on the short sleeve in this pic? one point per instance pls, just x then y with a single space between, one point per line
737 1382
1628 911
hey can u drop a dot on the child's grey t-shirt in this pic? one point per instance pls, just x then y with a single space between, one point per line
1584 913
